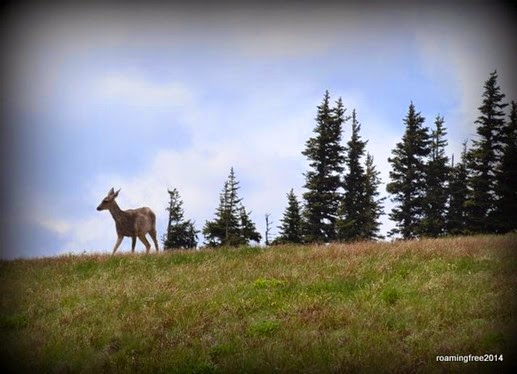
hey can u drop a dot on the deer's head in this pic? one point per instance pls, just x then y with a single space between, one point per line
108 200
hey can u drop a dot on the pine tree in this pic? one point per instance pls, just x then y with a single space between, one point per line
247 229
232 225
291 230
507 177
458 193
373 208
408 177
437 175
180 234
326 156
351 219
484 159
224 229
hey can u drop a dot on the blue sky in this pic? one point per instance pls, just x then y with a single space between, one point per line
146 99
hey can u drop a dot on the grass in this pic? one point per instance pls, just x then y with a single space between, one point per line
369 307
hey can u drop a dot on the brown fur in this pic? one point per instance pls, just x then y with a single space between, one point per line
132 222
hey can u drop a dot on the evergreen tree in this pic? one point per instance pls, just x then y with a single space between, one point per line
291 227
326 156
458 193
373 208
484 159
434 222
232 225
224 229
507 177
247 228
408 176
351 221
180 234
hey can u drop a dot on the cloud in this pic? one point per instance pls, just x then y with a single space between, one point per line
266 155
262 137
56 226
133 89
245 84
93 233
266 173
465 50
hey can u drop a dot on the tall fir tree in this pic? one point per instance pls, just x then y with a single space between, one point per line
180 234
458 194
326 156
373 204
291 230
507 177
408 176
232 225
484 158
224 229
248 231
437 176
351 221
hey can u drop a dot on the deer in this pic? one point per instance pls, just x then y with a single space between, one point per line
132 222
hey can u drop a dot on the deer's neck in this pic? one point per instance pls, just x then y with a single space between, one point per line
116 212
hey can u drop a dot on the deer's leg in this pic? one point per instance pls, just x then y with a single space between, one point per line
117 244
153 236
133 244
146 243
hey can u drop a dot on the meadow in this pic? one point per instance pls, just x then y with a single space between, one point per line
364 307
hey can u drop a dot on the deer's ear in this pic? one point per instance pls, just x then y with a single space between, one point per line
116 193
111 192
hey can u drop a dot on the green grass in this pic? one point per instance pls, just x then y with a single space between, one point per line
373 307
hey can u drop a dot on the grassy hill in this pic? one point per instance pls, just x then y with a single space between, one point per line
337 308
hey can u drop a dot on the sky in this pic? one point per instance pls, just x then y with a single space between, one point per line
156 97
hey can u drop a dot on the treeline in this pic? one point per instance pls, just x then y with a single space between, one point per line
433 195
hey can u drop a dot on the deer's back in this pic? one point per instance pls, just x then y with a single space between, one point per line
138 222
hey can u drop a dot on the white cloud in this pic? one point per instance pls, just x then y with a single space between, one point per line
133 89
265 152
93 233
199 174
266 157
54 225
